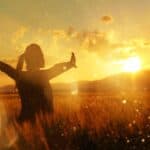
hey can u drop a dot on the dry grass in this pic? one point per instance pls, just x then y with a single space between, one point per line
80 122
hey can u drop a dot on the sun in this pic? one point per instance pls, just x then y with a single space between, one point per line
131 64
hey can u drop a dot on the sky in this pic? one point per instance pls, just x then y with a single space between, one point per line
103 34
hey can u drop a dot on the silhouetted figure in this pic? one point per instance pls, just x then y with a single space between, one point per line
33 84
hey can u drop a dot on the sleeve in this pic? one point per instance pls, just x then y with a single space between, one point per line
10 71
58 69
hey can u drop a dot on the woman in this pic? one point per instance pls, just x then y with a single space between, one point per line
33 84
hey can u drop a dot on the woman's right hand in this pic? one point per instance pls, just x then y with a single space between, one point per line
73 60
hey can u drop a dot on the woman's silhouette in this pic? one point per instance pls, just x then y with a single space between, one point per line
33 84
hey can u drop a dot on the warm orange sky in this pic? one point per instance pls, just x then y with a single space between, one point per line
102 33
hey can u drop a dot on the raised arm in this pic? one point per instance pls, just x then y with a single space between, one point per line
61 67
10 71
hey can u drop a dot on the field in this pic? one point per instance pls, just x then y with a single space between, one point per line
81 121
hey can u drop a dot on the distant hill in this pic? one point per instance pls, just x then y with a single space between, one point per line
120 82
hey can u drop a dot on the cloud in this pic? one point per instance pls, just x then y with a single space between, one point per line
19 34
58 33
106 19
84 39
55 41
92 40
105 44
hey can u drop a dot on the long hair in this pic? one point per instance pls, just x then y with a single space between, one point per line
33 57
20 62
19 66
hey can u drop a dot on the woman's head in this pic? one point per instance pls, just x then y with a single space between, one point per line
34 57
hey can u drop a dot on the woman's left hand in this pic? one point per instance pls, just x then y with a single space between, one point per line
73 60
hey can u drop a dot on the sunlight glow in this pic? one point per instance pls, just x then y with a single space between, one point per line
124 101
74 89
131 64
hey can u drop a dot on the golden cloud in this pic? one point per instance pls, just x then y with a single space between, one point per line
58 33
106 19
19 34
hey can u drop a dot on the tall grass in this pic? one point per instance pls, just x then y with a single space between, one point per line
82 121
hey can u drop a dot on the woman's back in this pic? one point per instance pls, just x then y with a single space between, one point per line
35 93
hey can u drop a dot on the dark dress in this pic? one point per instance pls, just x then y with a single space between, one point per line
34 88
